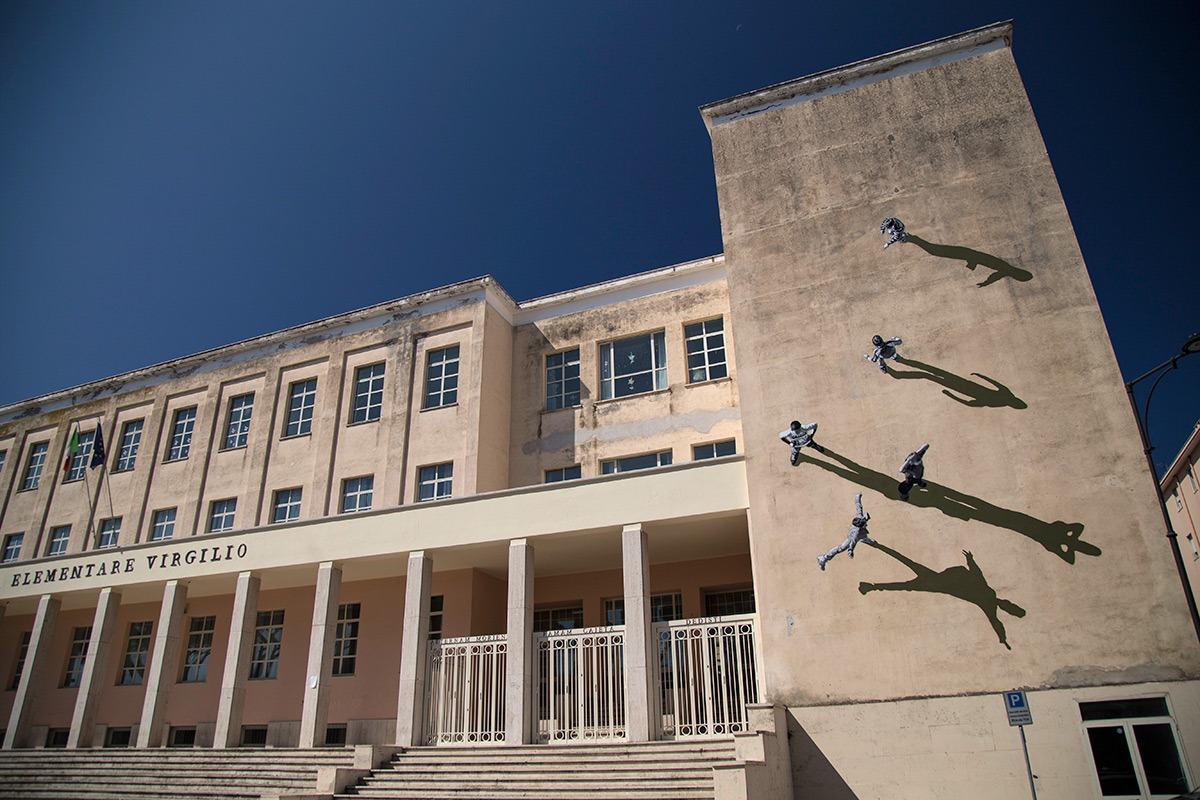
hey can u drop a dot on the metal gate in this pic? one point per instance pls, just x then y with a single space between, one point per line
466 690
708 671
581 684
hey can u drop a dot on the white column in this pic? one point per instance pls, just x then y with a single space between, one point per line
639 666
518 675
95 666
160 671
320 655
414 650
33 672
237 661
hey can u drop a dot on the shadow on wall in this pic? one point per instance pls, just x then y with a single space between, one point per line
965 583
812 770
979 396
1061 538
974 258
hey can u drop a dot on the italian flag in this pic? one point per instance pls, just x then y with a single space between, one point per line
72 449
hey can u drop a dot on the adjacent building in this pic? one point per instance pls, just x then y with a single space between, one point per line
1180 488
459 518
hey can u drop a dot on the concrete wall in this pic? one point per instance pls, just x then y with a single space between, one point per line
1035 467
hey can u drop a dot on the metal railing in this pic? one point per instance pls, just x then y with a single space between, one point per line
581 684
466 690
708 671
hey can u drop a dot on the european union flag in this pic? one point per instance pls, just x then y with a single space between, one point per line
97 449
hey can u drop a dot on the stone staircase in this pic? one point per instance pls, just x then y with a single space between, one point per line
163 774
644 771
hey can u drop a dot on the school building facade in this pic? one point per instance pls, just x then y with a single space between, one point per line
458 518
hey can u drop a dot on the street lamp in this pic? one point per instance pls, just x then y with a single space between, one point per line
1191 345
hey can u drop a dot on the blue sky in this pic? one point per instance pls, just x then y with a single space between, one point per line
178 176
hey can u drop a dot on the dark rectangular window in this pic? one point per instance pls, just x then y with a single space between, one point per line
268 639
441 378
164 525
117 737
182 737
648 461
437 604
60 537
335 735
733 601
181 434
562 379
714 450
199 648
110 532
558 619
302 400
131 439
33 468
80 457
76 657
705 345
21 653
12 547
137 650
368 393
220 518
633 366
436 482
254 736
345 640
237 427
663 608
563 474
356 494
287 505
57 737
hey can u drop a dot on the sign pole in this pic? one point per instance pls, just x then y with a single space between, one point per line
1028 768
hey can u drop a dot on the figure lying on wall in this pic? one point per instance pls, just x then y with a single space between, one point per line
858 533
799 437
894 230
913 470
883 350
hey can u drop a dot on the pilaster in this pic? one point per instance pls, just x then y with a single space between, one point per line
33 672
639 677
414 649
95 665
518 676
315 713
233 678
160 672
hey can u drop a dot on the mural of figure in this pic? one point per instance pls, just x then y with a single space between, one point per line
894 230
800 436
913 470
883 350
858 533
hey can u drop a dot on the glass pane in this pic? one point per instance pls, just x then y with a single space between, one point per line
1118 709
1114 765
1160 759
631 355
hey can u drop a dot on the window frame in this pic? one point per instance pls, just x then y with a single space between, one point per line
159 522
345 639
267 645
559 474
303 413
1126 723
77 653
714 445
708 599
437 616
126 461
226 513
657 603
357 494
22 654
708 364
60 540
368 401
606 358
564 380
35 465
80 458
196 671
548 613
286 504
616 462
133 666
237 431
114 529
179 447
13 542
436 480
442 397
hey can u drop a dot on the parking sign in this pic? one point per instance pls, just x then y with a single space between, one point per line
1018 708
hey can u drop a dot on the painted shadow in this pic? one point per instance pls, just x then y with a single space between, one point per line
965 583
977 394
974 258
1061 538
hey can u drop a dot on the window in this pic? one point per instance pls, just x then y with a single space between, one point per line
33 469
557 619
21 653
181 737
633 366
57 737
562 379
368 393
199 647
220 518
1191 473
1178 499
335 735
76 656
12 547
164 525
563 474
300 408
117 737
1135 748
1195 550
137 648
734 601
441 378
268 638
345 639
648 461
181 434
110 532
78 461
356 494
287 505
435 482
60 537
131 437
3 456
663 608
705 345
436 604
237 429
714 450
254 736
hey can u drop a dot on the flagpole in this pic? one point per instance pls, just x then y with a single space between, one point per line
91 503
108 486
